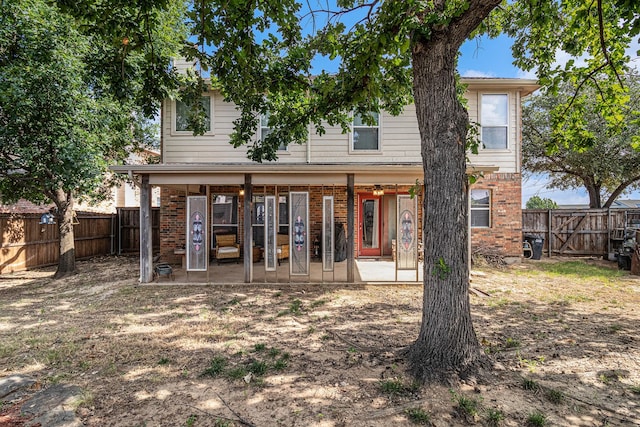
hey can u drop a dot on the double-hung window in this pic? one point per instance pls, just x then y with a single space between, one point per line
494 119
265 130
366 137
480 208
183 110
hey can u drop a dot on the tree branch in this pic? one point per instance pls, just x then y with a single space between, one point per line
603 43
619 189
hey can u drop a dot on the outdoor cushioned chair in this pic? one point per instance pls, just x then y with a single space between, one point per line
282 249
227 248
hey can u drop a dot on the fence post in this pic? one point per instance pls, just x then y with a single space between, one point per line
550 236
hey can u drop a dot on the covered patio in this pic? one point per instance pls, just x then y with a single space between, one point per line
366 271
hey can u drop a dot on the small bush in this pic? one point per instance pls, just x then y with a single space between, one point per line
494 416
237 373
392 386
468 407
418 416
216 367
258 367
397 387
554 396
536 419
529 384
512 343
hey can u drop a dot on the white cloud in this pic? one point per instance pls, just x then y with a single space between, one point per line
527 74
477 73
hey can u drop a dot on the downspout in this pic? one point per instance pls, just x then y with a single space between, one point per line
519 136
309 145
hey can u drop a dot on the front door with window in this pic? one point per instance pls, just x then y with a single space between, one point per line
370 228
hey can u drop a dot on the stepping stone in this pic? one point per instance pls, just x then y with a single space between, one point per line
15 386
53 407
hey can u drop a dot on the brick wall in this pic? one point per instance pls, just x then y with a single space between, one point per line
505 234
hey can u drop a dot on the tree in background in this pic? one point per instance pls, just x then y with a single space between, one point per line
62 121
537 202
391 53
596 153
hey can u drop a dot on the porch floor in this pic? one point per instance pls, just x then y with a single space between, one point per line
367 271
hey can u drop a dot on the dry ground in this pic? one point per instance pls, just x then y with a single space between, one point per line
564 345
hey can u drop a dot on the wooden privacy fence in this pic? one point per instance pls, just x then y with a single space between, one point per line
579 232
129 226
25 243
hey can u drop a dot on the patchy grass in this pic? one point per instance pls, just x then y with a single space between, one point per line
156 354
580 270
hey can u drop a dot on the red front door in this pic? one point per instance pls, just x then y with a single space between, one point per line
370 225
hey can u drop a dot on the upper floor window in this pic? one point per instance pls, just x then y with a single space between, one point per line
480 208
265 130
182 114
494 121
366 137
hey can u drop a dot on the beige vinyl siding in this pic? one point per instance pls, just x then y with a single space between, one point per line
214 148
507 160
400 140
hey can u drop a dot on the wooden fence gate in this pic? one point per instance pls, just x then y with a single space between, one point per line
596 232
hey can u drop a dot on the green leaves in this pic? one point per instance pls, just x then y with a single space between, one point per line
582 140
62 122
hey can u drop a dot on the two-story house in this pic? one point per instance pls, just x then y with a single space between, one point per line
340 196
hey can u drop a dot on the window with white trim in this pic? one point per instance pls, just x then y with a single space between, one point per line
366 137
480 208
265 130
181 123
494 119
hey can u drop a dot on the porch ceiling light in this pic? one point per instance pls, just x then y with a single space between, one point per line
378 191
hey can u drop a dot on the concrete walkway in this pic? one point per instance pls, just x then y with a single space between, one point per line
367 271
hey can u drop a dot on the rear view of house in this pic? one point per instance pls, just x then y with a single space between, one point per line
337 198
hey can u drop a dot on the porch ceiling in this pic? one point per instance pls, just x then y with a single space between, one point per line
283 174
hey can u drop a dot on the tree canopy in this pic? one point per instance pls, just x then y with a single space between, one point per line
537 202
63 118
599 156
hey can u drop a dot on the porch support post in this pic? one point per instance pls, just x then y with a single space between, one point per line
146 232
248 192
350 227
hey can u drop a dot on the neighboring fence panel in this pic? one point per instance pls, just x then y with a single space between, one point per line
578 232
27 244
129 226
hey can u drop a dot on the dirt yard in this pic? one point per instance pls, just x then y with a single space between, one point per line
563 337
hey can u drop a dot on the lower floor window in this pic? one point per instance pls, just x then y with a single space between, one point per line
480 208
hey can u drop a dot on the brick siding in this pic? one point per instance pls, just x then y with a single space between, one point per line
504 236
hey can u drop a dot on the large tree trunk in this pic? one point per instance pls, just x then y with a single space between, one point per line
67 260
447 346
595 201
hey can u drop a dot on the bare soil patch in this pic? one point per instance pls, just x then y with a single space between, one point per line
564 344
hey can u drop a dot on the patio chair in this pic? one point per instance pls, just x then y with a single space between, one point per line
227 248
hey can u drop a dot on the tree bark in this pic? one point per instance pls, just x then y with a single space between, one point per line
447 347
595 202
67 259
